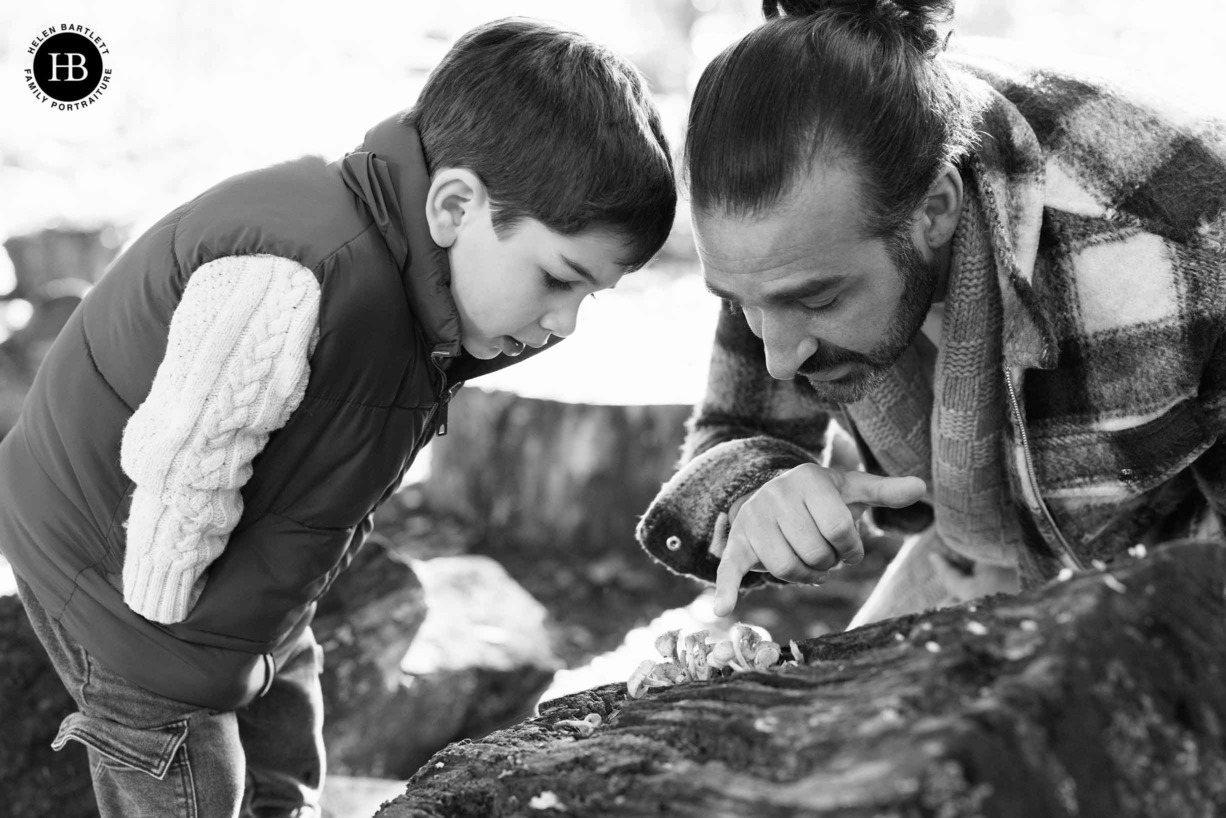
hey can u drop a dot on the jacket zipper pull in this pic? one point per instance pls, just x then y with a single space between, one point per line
442 424
443 398
447 395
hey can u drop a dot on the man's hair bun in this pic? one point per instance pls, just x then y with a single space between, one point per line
914 19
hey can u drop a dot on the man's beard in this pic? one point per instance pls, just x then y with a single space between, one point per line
920 279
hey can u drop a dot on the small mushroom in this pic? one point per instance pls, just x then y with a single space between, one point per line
766 654
546 799
798 658
696 651
722 655
745 645
583 727
693 658
667 673
638 683
666 644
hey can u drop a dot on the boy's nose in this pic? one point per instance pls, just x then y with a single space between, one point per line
561 322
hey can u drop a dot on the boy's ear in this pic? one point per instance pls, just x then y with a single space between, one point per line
454 198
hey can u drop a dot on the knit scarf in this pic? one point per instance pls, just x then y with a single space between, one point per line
948 425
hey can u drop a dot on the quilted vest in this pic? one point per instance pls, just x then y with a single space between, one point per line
388 333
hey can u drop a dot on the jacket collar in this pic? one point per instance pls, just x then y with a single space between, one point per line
388 173
1007 173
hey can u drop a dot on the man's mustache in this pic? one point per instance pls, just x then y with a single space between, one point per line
828 356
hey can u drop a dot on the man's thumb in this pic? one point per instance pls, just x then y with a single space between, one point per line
875 490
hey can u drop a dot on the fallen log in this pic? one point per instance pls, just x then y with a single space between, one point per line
1101 695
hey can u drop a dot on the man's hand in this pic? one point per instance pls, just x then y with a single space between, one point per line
801 524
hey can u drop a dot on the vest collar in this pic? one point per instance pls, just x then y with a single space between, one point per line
388 173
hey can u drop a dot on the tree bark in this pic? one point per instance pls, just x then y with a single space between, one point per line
1099 696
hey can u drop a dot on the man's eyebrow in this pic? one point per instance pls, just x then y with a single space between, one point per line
807 289
581 270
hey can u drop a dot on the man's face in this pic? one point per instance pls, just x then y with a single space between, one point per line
827 303
520 288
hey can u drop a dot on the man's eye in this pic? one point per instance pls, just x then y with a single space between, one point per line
552 283
820 306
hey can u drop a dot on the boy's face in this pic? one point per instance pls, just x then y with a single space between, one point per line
519 289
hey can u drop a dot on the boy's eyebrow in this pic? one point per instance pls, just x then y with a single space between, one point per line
581 270
807 289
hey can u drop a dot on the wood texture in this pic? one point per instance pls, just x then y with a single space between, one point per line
1099 696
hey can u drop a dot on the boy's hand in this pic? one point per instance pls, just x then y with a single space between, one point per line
801 524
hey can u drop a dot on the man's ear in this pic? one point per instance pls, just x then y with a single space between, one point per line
942 208
455 197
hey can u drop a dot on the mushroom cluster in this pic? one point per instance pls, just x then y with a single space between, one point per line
693 659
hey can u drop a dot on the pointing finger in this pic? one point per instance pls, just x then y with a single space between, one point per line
736 562
719 539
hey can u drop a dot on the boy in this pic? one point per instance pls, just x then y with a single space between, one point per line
204 445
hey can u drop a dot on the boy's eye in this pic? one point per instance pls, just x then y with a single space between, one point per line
552 283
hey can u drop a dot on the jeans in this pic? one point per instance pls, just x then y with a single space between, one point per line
153 756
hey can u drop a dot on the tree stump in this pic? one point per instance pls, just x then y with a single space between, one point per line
1099 696
553 490
52 263
53 269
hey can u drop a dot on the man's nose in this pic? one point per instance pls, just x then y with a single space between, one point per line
788 345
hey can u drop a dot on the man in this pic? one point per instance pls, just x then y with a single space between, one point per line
1006 285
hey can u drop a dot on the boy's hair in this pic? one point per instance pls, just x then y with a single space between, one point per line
829 80
559 129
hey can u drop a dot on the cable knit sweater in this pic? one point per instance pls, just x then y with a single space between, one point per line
236 367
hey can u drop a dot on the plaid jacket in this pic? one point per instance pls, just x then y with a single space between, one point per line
1107 222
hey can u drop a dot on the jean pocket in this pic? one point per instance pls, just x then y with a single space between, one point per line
150 751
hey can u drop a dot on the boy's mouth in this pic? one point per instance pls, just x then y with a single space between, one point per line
512 346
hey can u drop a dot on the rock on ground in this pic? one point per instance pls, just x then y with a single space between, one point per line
479 659
35 780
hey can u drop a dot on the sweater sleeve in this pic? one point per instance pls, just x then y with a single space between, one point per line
748 429
236 367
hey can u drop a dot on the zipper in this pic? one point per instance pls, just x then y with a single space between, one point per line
440 403
445 403
444 394
1030 486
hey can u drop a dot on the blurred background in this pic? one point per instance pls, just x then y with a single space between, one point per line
202 91
531 585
